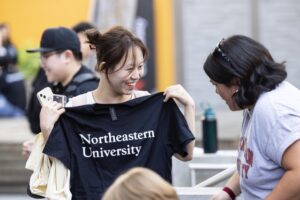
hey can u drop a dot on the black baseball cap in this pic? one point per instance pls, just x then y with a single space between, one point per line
56 39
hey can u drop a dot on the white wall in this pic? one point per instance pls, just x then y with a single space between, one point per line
203 23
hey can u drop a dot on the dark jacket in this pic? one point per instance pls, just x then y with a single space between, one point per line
83 81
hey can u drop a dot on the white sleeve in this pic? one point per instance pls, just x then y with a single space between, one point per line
283 135
82 99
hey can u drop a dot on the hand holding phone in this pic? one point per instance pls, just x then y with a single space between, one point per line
50 114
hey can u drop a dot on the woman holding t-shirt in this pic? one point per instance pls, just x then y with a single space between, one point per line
247 78
120 60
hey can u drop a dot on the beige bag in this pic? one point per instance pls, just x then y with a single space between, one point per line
50 178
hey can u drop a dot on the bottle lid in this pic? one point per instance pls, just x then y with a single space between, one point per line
209 113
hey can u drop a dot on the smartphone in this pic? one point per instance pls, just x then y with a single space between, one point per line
46 95
60 99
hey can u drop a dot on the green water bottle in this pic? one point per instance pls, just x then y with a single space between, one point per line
209 131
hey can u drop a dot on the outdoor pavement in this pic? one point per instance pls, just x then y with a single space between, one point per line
14 130
14 197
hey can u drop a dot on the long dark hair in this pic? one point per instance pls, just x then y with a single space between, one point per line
113 45
243 61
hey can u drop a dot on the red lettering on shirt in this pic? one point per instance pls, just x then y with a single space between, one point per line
245 169
243 165
248 154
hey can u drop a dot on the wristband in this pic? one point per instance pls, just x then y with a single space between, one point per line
229 192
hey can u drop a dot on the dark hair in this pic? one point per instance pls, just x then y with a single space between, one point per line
113 45
82 26
243 61
77 55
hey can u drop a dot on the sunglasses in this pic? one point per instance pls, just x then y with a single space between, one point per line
220 51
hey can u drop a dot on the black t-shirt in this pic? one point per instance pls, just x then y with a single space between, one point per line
99 142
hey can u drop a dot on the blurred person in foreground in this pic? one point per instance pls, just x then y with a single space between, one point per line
247 78
12 83
140 184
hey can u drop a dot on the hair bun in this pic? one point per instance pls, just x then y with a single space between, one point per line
94 37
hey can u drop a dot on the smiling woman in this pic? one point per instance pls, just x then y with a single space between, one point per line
116 127
120 67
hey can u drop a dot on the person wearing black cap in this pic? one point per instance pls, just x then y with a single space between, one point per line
61 61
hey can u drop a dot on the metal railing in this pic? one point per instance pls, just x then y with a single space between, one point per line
206 188
219 177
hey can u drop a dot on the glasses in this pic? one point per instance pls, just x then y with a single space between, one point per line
45 56
219 50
